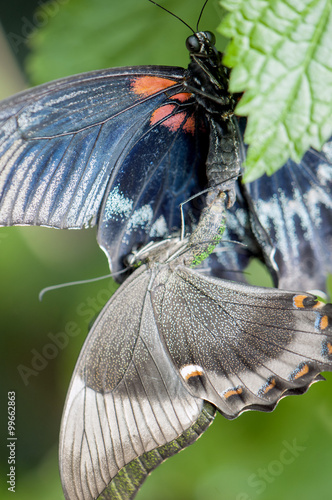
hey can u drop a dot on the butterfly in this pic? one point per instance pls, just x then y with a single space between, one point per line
170 348
120 149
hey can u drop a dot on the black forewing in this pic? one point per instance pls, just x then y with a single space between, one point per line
67 144
165 167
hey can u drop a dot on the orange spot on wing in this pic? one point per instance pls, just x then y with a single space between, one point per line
298 300
183 97
271 385
189 125
196 373
329 347
324 321
233 392
161 113
302 372
173 122
146 86
319 304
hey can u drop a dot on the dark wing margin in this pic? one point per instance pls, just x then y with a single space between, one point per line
125 399
242 347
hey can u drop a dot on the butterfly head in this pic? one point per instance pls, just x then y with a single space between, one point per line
202 44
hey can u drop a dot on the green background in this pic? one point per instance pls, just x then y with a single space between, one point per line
228 460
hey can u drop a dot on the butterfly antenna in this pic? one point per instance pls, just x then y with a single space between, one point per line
174 15
73 283
202 10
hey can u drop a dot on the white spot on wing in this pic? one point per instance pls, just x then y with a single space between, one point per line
159 228
319 293
117 205
324 174
327 149
140 218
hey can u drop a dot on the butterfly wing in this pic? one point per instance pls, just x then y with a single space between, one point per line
167 341
284 220
241 347
125 400
294 208
116 148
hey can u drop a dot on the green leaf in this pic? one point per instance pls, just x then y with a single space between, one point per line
281 55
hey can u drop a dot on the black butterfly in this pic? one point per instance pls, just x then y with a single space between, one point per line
120 149
169 348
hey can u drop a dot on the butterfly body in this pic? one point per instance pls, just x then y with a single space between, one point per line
208 78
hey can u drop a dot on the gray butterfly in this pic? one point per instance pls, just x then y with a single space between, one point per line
169 348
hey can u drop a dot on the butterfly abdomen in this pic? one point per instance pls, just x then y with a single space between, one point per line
209 231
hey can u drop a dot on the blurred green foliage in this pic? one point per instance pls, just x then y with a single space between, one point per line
228 462
88 35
